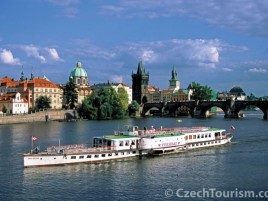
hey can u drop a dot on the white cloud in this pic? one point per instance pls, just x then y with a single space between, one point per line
227 69
203 53
117 78
53 54
6 57
33 51
257 70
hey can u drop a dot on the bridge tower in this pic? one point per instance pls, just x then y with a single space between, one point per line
140 82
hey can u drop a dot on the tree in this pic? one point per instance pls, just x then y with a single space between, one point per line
43 102
123 98
4 110
102 104
71 94
201 92
133 108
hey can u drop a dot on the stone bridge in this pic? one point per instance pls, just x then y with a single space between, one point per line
231 108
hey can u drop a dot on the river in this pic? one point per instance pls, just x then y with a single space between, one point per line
205 174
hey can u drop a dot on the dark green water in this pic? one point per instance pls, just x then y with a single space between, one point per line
241 165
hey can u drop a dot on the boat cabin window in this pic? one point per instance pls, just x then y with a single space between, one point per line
202 136
198 136
194 136
88 156
96 156
121 143
217 134
206 135
103 155
133 142
190 137
81 157
186 137
209 135
73 157
109 154
127 143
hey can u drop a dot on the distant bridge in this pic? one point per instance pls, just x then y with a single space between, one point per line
231 108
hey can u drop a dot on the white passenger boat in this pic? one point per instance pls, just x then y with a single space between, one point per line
129 142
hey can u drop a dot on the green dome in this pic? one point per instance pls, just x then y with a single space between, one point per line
79 71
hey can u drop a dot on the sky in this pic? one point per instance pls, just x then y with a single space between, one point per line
217 43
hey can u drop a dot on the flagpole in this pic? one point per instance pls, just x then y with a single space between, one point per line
32 145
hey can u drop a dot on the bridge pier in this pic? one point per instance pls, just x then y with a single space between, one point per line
265 114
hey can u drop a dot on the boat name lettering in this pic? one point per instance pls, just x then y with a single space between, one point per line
169 144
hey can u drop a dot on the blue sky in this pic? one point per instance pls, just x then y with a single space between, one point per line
213 42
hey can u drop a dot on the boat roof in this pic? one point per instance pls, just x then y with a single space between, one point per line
114 137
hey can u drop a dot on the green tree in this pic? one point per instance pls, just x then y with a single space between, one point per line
201 92
4 109
133 108
123 97
71 94
102 104
43 102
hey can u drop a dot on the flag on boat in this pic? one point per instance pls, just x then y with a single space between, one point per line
34 138
232 128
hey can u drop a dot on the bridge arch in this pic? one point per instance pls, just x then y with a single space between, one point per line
148 106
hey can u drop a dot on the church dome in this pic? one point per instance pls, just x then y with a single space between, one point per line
78 71
237 90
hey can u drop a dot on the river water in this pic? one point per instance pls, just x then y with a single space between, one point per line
205 174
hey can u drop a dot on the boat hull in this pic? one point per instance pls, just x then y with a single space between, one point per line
31 160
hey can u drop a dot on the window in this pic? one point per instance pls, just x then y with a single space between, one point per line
194 137
80 157
103 155
96 156
73 157
88 156
109 154
122 153
121 143
190 137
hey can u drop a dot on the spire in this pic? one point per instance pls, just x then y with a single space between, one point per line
32 76
22 75
141 69
174 74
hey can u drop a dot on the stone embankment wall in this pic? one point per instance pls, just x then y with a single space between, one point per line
34 117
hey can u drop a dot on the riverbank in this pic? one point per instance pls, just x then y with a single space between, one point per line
41 116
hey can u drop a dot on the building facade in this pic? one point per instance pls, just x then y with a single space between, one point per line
13 104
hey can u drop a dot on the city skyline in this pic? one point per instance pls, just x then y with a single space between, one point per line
214 43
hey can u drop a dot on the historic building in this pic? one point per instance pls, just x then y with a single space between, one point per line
13 104
174 83
31 89
140 82
79 77
236 93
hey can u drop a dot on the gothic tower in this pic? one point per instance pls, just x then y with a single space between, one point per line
174 83
140 85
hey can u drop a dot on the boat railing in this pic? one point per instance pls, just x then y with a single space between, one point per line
80 150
